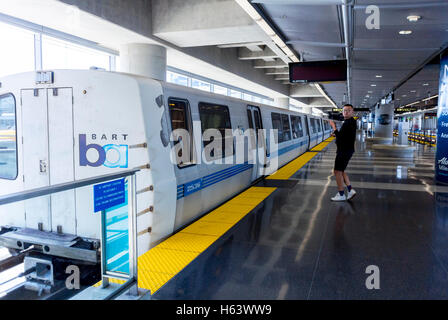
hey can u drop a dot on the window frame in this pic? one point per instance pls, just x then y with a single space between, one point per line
15 125
189 122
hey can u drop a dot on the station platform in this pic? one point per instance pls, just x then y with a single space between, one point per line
285 239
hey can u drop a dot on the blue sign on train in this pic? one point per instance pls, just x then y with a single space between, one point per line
109 194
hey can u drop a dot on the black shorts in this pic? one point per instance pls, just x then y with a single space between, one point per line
341 161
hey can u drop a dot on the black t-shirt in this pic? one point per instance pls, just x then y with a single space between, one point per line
346 136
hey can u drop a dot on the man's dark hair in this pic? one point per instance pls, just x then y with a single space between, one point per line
348 105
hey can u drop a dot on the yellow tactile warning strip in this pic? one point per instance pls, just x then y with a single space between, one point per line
288 170
161 263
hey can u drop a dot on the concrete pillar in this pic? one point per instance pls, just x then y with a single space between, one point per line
441 165
384 118
148 60
281 102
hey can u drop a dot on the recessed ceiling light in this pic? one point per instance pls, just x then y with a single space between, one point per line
405 32
373 85
413 18
426 84
369 91
404 95
413 91
378 76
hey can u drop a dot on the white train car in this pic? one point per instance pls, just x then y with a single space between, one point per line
82 124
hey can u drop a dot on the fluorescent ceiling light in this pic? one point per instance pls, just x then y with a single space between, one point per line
430 98
405 32
373 85
378 76
413 18
426 84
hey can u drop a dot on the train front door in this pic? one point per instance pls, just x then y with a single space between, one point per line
48 157
258 142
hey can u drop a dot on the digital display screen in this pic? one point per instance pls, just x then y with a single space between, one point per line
318 71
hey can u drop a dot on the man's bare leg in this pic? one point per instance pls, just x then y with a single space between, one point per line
346 179
339 179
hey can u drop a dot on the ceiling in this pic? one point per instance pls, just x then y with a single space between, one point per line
381 59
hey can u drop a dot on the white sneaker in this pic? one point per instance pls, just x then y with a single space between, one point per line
351 194
338 197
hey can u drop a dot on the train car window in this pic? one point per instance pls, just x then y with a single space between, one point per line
258 123
277 125
297 130
286 128
319 125
181 119
216 117
313 126
8 137
249 118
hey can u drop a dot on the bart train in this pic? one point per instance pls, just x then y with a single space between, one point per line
66 125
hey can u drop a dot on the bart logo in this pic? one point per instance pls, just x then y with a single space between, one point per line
110 155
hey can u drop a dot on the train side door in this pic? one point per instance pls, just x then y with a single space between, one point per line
307 127
255 123
35 156
61 158
47 122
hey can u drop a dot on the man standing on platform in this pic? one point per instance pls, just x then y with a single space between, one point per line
345 143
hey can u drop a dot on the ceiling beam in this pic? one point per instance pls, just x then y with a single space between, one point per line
246 54
260 64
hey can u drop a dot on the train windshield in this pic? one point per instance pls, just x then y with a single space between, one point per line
8 146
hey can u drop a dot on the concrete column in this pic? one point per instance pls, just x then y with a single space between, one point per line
384 118
281 102
148 60
441 165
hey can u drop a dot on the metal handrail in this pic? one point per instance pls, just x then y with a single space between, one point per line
38 192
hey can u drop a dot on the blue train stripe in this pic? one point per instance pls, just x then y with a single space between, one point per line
188 188
212 179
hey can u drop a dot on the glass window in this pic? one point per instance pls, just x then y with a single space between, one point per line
277 125
219 89
249 118
201 85
60 54
177 78
181 119
216 117
313 125
8 145
235 94
17 52
280 122
297 130
247 97
256 99
286 127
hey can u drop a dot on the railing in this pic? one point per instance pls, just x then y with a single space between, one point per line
111 191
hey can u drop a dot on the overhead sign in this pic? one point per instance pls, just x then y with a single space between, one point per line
108 195
403 110
318 71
